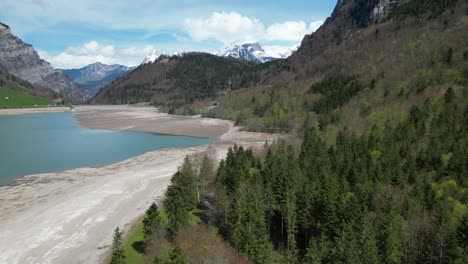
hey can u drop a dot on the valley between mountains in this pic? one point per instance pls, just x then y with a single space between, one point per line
350 147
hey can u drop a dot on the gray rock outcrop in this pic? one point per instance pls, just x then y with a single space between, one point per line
20 59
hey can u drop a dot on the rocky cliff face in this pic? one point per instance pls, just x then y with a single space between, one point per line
20 59
348 17
385 7
361 13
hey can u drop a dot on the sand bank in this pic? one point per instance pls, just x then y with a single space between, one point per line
148 119
38 110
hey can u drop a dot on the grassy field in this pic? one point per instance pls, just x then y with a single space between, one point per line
135 237
19 99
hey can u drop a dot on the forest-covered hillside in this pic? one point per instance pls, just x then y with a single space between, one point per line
380 171
392 195
397 195
176 81
394 64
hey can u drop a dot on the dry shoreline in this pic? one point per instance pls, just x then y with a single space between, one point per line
68 217
37 110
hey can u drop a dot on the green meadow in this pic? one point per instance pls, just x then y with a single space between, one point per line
17 99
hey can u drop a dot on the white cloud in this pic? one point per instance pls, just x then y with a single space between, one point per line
314 25
91 48
226 27
137 51
288 31
234 27
181 38
91 52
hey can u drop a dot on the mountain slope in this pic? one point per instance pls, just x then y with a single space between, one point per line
17 99
398 62
176 81
18 93
96 75
390 54
21 60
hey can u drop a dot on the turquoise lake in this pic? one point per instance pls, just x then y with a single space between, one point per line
39 143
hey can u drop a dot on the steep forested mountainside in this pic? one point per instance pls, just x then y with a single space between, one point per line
177 80
398 63
386 196
21 60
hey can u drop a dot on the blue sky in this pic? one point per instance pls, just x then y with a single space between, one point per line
73 34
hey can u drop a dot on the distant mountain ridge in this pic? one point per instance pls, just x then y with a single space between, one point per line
249 51
97 75
254 52
21 60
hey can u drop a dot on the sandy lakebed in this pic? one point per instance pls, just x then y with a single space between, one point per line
69 216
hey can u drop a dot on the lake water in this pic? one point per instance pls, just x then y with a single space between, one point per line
39 143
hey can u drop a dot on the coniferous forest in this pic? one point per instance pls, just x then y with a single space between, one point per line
396 195
393 195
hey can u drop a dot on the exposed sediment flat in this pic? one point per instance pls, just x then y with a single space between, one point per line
148 119
37 110
69 217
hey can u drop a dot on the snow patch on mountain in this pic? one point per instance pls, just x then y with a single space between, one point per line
280 52
254 52
152 57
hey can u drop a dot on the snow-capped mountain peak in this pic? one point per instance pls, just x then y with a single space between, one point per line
254 52
280 52
152 57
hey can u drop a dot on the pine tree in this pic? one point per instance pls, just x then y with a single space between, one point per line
153 224
449 96
236 219
181 198
320 250
392 240
118 256
369 252
256 244
314 254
